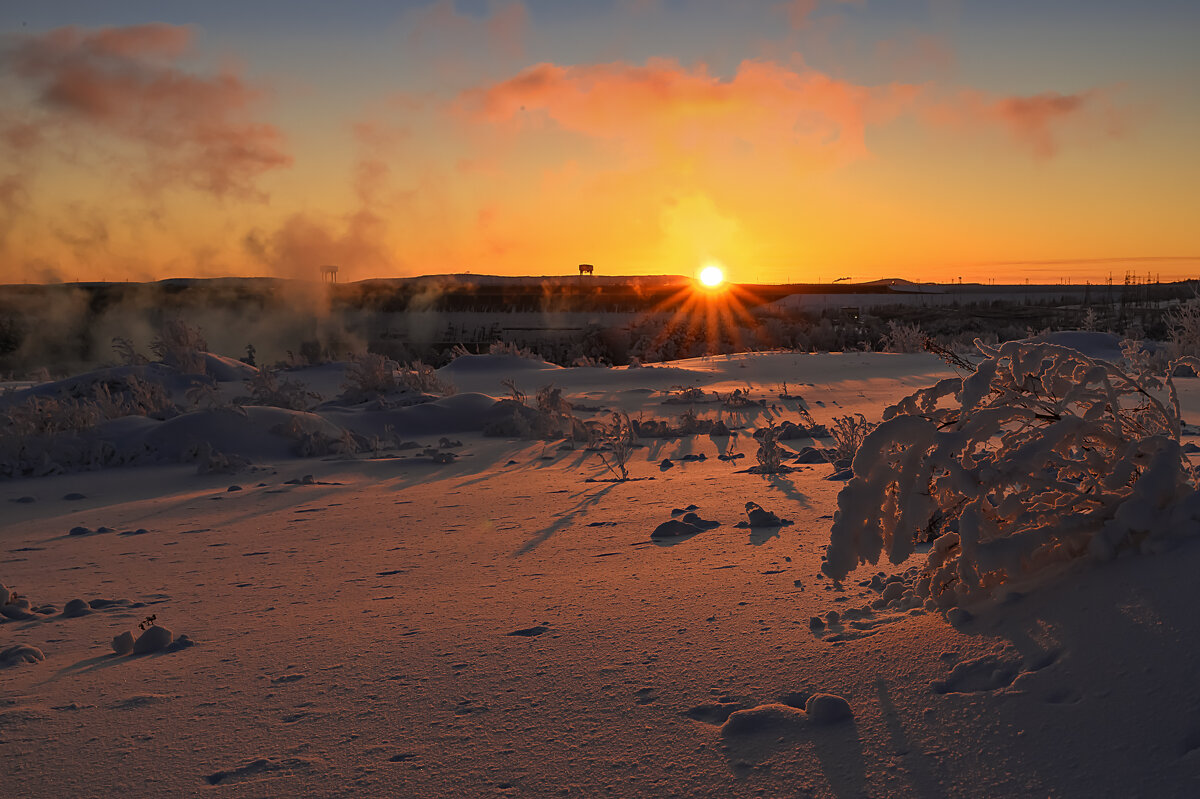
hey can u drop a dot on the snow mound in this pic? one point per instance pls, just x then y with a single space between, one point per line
1105 346
827 709
19 654
498 364
154 639
259 434
773 718
227 370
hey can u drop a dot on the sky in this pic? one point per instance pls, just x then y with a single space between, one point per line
797 141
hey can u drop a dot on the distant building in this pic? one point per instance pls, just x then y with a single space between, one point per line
586 269
329 274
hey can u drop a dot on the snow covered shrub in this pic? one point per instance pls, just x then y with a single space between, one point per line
370 374
619 438
903 338
125 350
422 377
1183 324
770 454
508 348
1041 457
180 346
514 393
266 388
1143 359
51 435
848 434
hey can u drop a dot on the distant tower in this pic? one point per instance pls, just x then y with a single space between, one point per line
586 269
329 274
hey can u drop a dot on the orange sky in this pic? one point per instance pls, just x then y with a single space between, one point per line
800 141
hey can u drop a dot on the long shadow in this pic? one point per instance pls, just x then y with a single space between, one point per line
564 520
786 487
838 748
84 666
924 783
1104 636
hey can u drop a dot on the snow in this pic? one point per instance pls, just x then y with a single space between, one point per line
498 625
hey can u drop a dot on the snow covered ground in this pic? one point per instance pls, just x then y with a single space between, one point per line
381 623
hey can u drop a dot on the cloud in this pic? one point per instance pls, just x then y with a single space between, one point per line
1037 123
1032 120
774 110
800 12
444 41
194 129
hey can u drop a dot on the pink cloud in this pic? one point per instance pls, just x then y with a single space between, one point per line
196 129
1037 123
675 109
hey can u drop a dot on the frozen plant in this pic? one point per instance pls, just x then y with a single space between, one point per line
1040 457
1183 322
266 388
848 433
423 378
509 348
1144 360
515 394
370 374
181 346
126 352
903 338
770 454
620 439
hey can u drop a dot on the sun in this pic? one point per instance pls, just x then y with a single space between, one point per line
712 276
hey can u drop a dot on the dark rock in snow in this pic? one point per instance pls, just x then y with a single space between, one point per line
529 632
25 499
666 464
80 530
72 497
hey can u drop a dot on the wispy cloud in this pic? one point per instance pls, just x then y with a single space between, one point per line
193 128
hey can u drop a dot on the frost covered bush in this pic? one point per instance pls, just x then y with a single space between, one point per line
509 348
370 374
903 338
619 439
50 435
180 346
422 377
848 433
1143 359
1183 324
268 389
770 454
1041 457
